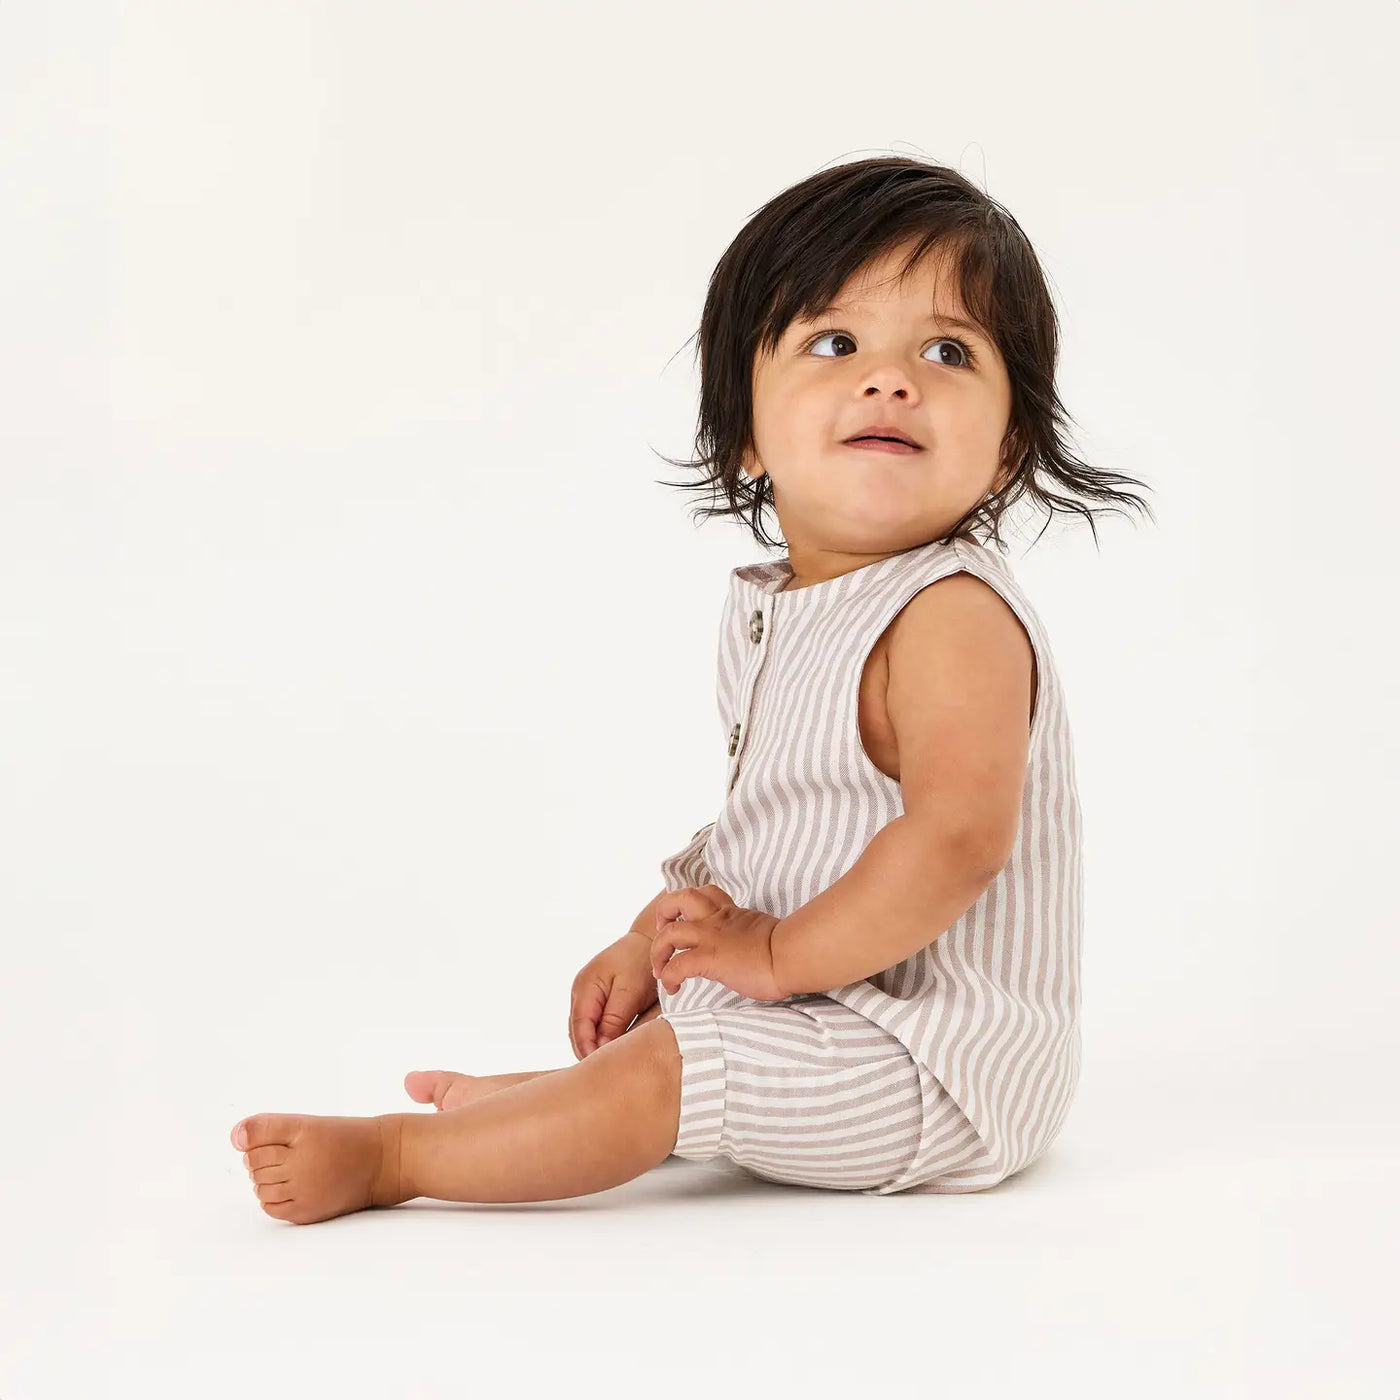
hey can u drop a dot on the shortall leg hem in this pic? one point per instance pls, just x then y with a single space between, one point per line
702 1083
806 1092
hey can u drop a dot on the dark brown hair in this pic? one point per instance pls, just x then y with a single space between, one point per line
797 252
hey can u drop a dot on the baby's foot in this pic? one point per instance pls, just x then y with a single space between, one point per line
306 1168
445 1089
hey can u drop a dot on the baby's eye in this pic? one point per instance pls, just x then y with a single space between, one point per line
964 350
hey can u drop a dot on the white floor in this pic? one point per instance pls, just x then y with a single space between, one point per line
1185 1254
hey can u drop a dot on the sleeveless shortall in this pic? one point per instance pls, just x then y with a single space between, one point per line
951 1070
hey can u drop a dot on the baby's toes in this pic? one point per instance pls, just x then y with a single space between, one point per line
315 1167
264 1129
263 1159
272 1193
443 1088
420 1084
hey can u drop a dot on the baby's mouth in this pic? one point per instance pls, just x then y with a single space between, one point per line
878 444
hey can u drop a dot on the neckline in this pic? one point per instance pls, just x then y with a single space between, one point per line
771 576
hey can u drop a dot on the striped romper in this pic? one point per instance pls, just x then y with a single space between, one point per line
951 1070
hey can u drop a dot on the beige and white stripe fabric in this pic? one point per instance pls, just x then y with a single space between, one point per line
951 1070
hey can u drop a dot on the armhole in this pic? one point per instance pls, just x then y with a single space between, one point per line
866 651
1038 668
961 566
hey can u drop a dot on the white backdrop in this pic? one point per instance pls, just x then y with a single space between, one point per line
356 675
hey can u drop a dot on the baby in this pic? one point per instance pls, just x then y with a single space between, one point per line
864 973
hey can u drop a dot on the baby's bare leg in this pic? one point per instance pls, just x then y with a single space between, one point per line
447 1089
562 1133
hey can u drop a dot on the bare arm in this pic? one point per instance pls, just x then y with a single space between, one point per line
644 929
913 881
645 922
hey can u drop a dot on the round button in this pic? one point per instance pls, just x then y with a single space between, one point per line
756 625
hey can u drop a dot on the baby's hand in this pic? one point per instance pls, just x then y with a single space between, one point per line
722 941
609 990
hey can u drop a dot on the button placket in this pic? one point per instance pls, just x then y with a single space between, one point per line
757 630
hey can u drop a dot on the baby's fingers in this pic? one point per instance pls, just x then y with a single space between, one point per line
587 1007
623 1005
662 946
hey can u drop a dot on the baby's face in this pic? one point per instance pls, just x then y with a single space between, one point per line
890 361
